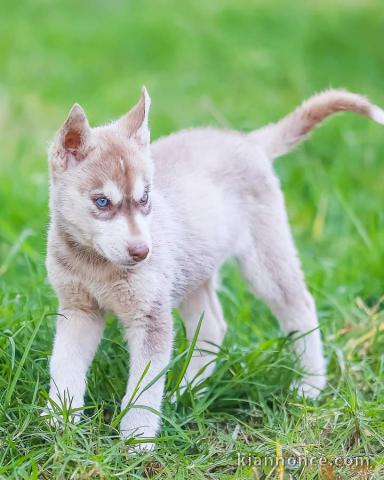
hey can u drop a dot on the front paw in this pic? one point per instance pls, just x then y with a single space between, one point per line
57 414
310 386
52 419
140 424
141 448
58 419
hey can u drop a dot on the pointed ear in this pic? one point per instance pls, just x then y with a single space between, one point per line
75 131
72 140
135 122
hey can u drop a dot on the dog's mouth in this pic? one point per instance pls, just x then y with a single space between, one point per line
130 266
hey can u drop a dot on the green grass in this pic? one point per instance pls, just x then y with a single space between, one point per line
239 63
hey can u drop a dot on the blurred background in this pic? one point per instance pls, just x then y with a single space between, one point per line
229 63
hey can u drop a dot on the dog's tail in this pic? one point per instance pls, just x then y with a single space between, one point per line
279 138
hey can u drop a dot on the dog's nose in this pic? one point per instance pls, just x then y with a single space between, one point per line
138 252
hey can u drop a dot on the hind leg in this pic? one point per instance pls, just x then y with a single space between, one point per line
269 262
203 301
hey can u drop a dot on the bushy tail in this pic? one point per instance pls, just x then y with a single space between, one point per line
279 138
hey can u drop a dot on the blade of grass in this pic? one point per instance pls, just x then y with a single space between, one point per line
15 378
189 356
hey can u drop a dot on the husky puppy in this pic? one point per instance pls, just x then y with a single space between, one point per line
139 228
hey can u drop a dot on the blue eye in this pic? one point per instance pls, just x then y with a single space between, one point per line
102 202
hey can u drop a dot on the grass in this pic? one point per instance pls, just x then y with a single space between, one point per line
231 63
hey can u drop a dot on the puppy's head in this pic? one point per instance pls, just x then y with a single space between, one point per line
101 184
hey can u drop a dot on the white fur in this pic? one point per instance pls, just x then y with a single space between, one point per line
138 188
214 195
377 114
143 224
112 239
112 191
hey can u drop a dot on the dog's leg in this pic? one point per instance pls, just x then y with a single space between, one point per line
78 333
150 345
269 261
203 301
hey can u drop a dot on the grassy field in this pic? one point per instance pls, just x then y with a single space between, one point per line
231 63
